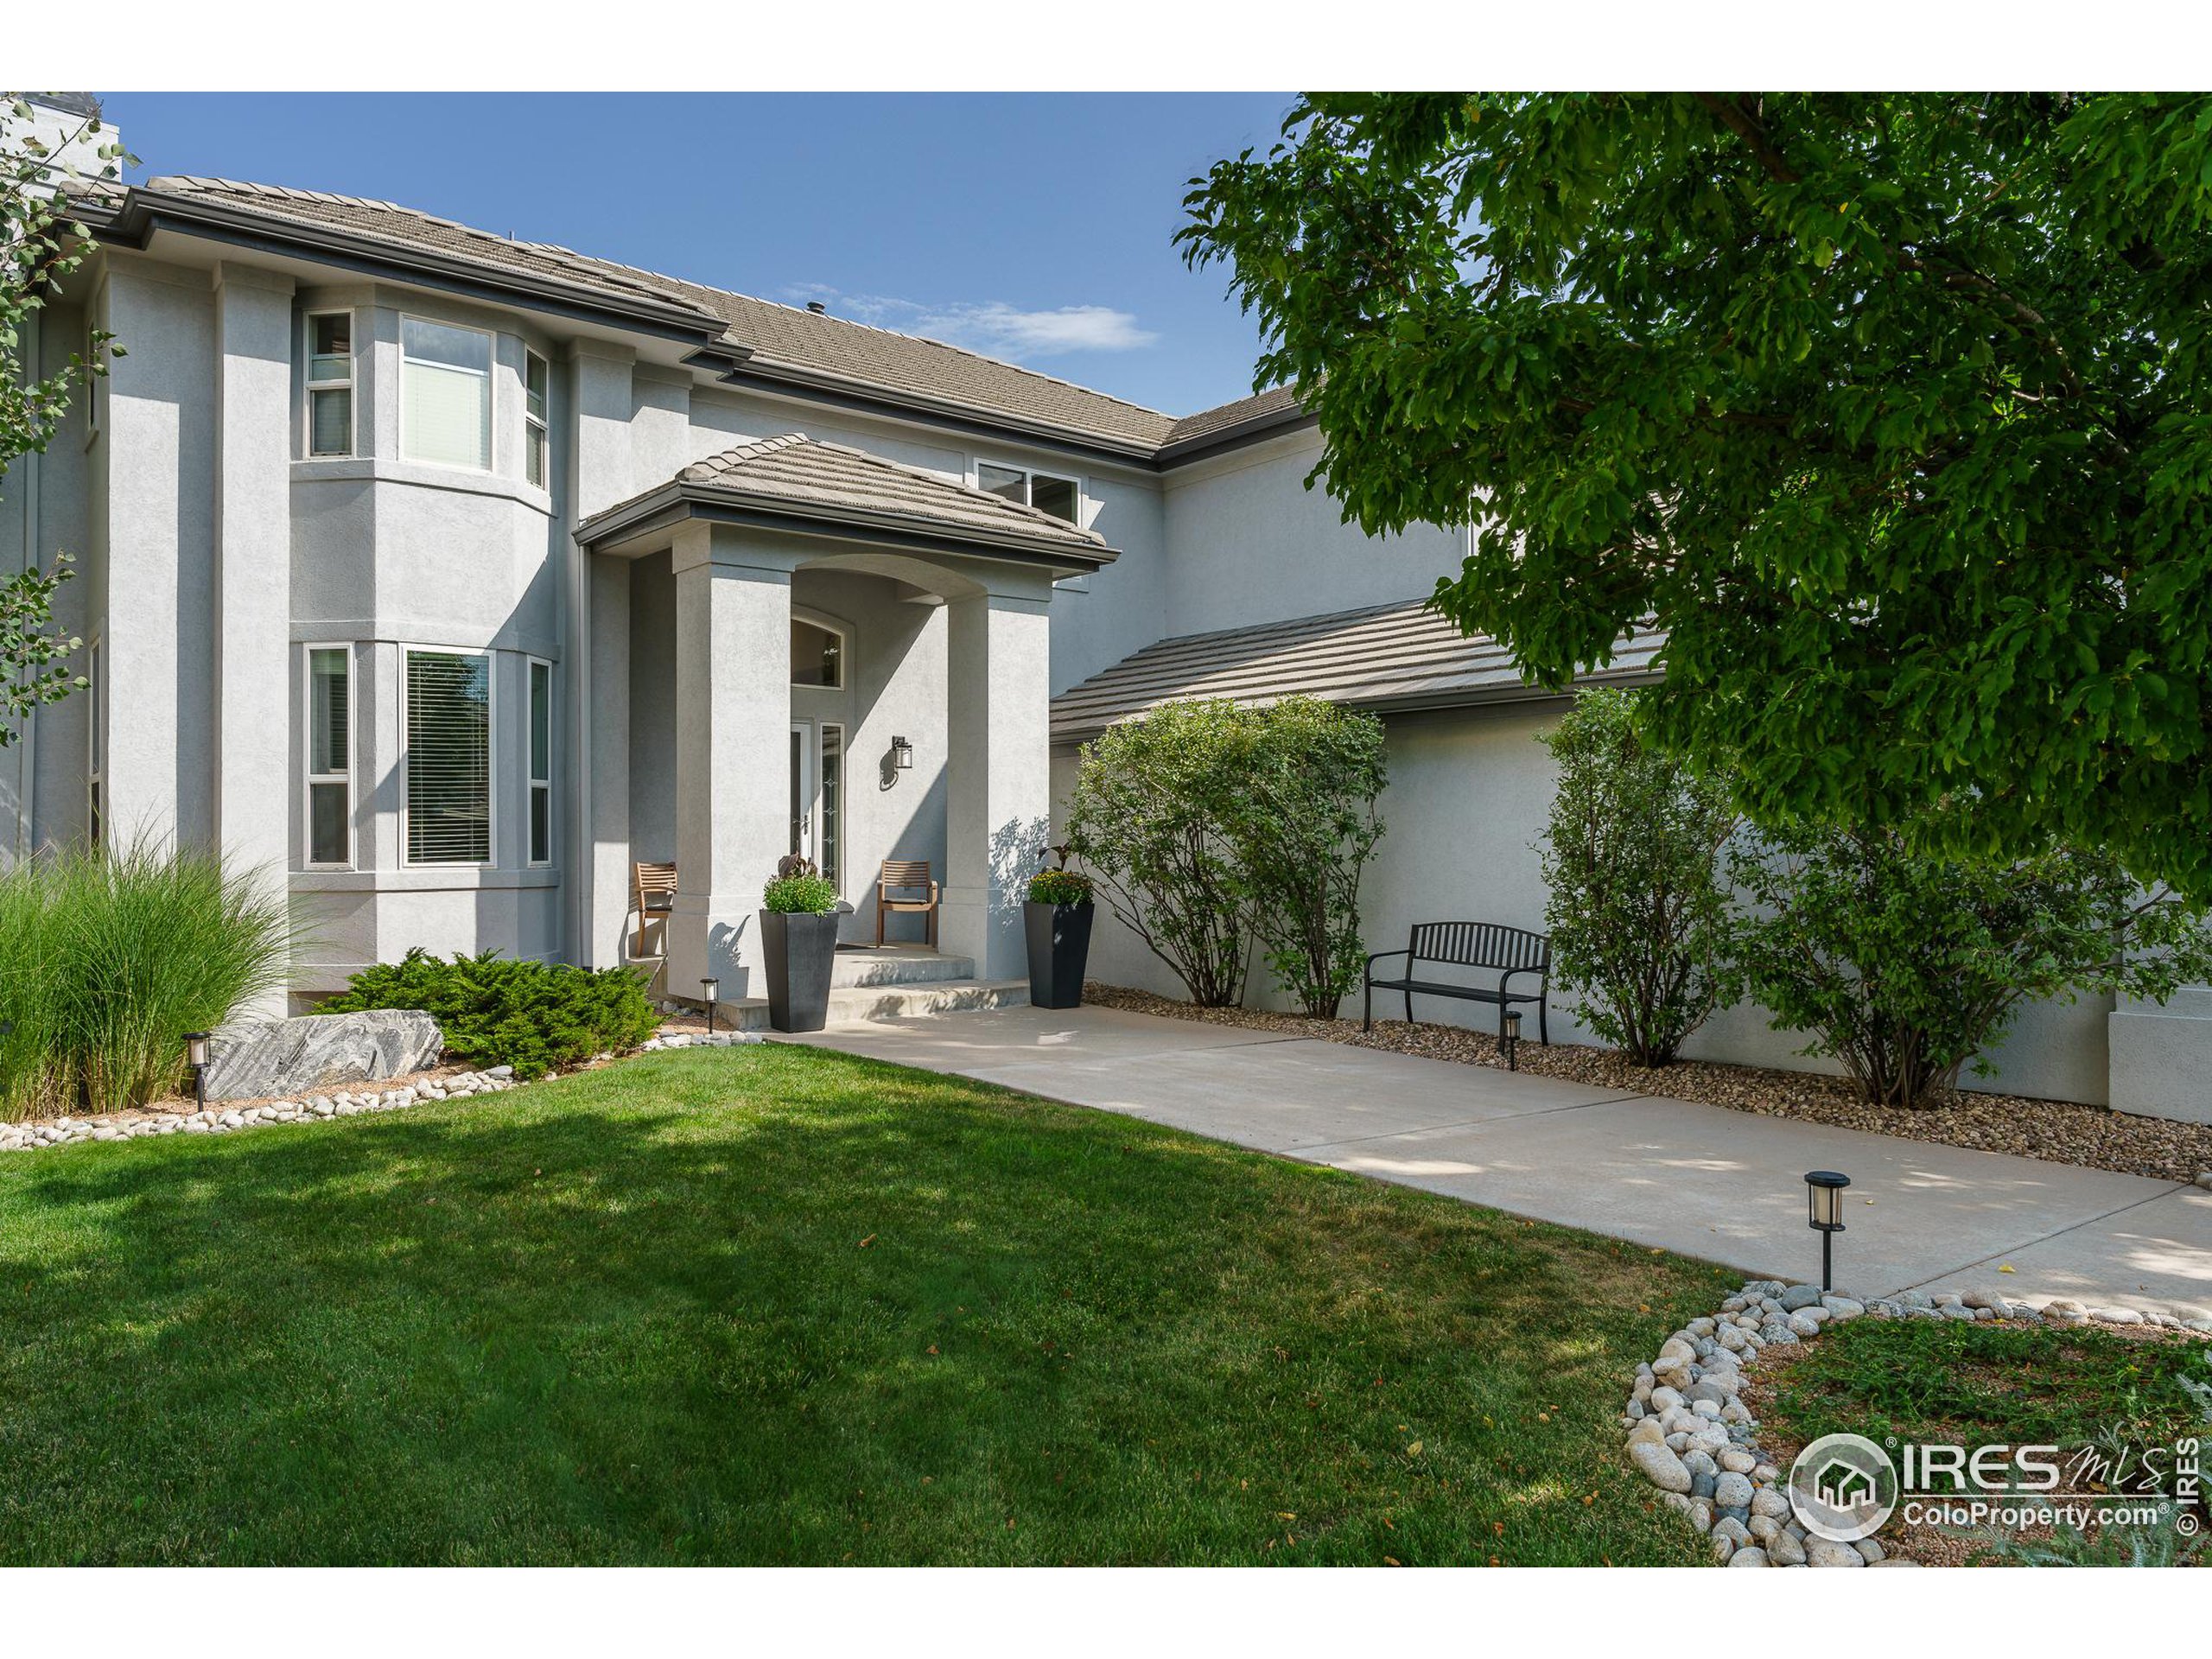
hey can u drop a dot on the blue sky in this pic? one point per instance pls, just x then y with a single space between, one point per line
1034 227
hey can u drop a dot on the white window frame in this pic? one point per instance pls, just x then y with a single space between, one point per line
491 758
308 776
537 433
491 393
827 624
533 785
821 730
1029 477
348 385
95 744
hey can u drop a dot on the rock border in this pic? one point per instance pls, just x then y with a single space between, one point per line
143 1125
1690 1435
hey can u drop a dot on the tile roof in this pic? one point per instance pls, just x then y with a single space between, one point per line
1401 655
1207 423
796 472
782 337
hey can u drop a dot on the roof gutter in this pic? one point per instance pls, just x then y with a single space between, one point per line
1236 437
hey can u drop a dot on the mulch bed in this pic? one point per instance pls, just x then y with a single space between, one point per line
2090 1137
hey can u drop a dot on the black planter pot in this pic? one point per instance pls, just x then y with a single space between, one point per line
1059 945
798 951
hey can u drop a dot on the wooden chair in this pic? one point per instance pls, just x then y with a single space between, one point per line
907 874
652 889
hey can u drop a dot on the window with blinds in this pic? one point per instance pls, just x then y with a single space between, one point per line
449 758
445 413
541 762
329 752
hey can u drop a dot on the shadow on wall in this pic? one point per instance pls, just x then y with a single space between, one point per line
1016 848
724 942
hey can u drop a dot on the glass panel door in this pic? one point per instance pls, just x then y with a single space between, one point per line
802 771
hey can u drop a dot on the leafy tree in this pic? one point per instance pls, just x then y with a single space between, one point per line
1636 906
1904 969
1150 814
1305 832
1893 411
39 246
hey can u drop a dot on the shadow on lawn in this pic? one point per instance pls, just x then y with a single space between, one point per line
778 1305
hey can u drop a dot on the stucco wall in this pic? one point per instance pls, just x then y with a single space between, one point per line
1465 810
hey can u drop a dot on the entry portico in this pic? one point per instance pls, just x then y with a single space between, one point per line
917 607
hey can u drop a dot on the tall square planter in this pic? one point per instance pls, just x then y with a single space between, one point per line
798 951
1059 946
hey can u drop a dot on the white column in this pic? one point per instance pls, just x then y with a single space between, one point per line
733 753
597 653
253 693
998 771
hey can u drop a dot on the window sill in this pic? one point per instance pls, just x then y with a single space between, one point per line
423 878
424 475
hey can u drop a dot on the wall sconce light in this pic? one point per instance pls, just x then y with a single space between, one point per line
1509 1034
196 1053
902 754
1824 1212
709 991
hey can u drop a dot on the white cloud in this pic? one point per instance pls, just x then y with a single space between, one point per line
994 327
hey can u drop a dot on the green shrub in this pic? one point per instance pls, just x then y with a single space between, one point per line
107 958
799 895
1904 968
1059 887
1635 903
1150 814
1304 830
499 1010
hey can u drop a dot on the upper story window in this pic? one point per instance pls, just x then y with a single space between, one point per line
330 383
1061 497
533 418
445 409
817 655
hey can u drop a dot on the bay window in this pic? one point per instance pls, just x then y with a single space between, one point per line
330 383
445 406
541 762
448 769
533 422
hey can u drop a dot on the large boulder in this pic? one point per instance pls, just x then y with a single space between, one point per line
251 1058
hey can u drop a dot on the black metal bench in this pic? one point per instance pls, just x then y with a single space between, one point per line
1488 945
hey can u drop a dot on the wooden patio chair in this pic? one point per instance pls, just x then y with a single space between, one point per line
652 889
906 875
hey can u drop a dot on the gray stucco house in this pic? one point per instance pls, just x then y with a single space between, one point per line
439 576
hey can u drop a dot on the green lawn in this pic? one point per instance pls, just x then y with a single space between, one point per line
776 1305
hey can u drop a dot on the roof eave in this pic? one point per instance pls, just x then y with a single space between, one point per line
142 212
683 499
1231 437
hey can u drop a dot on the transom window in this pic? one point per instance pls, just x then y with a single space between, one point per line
445 409
817 655
448 721
1060 497
330 383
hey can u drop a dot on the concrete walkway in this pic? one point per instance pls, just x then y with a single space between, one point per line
1671 1174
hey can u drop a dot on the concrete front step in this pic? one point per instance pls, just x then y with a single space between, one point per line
897 965
848 1003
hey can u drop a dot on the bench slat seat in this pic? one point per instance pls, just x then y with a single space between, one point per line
1487 946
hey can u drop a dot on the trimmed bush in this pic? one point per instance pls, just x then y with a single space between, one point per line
1635 903
799 895
107 958
496 1010
1905 968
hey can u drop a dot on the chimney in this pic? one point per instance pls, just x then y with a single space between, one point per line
64 123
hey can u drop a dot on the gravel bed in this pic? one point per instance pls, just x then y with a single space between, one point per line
2091 1137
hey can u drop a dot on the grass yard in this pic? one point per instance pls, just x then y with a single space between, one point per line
776 1305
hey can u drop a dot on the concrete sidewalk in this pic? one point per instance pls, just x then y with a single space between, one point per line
1671 1174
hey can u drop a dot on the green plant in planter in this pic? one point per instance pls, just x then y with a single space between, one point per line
1059 887
799 895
